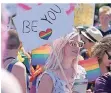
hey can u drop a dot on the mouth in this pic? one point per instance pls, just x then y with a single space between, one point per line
75 51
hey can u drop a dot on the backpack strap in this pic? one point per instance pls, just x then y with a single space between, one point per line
10 66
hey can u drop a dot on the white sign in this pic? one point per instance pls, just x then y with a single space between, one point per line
44 23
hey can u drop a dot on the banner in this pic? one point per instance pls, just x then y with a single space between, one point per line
44 23
84 15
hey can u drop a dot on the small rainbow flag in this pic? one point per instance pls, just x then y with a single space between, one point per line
92 68
40 55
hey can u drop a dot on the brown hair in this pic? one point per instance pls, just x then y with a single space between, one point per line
13 41
99 48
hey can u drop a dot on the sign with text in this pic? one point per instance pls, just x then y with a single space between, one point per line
43 24
84 15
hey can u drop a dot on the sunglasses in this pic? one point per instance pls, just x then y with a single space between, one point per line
83 41
109 56
76 44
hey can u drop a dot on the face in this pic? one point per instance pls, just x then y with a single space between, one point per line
87 44
107 58
104 18
72 48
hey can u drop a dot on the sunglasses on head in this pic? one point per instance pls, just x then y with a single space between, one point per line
109 56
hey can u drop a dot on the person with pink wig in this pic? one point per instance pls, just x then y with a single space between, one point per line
62 66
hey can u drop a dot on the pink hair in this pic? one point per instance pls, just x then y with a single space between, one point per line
57 47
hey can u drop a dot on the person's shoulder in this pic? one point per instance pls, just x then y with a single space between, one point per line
103 83
44 84
49 74
46 77
19 66
106 75
103 78
9 80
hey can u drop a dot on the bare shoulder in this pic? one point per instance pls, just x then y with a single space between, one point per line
45 84
19 71
9 80
19 66
46 78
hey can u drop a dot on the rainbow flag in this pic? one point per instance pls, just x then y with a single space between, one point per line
92 68
40 55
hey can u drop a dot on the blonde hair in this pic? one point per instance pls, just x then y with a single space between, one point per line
58 46
105 10
99 48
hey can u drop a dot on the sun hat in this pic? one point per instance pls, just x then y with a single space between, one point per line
92 34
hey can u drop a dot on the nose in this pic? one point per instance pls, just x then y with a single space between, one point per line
77 48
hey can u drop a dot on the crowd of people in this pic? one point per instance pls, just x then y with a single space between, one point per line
62 67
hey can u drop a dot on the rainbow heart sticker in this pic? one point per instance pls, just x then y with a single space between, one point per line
45 34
